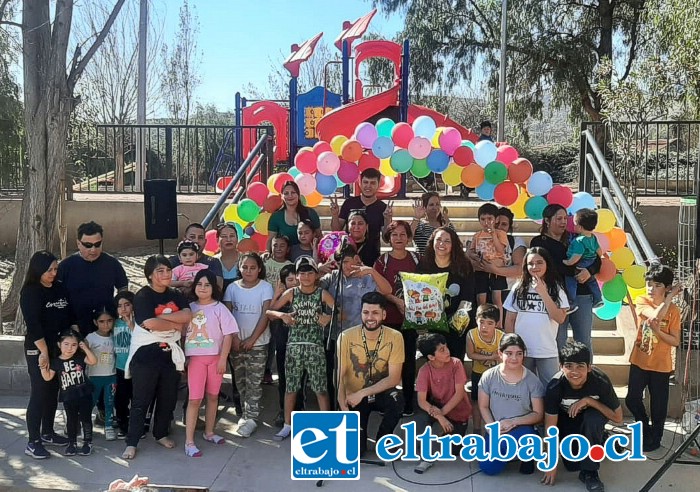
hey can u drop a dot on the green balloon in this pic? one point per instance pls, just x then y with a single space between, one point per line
420 168
615 290
534 207
248 210
401 162
469 143
384 127
495 173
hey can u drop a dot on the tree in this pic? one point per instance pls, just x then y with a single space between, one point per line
553 46
49 83
180 78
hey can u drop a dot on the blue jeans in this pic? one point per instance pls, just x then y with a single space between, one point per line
581 323
106 384
493 467
572 285
544 367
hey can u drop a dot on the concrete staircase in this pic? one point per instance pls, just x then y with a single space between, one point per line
612 340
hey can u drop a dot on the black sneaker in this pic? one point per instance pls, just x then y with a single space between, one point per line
85 449
54 440
407 412
37 451
71 450
592 481
100 417
121 434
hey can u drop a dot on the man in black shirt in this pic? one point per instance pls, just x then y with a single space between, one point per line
580 399
378 213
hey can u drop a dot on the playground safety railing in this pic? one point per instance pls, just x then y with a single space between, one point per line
663 156
103 158
259 160
596 168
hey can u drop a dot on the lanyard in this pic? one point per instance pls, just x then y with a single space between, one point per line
373 356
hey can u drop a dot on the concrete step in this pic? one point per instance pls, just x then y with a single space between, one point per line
461 224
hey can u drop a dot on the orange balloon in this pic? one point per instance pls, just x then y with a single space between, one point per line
617 237
247 244
272 203
313 199
520 170
473 175
607 271
351 150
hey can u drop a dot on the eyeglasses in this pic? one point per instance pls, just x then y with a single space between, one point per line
98 244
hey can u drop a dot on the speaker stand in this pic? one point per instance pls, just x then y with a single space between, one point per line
161 246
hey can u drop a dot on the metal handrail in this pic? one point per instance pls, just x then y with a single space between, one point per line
237 177
603 174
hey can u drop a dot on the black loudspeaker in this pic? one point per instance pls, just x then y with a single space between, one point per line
160 208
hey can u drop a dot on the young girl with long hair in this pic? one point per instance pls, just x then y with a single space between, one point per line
534 309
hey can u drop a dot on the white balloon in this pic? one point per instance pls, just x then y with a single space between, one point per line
485 152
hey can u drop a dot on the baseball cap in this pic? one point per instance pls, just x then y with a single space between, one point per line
306 263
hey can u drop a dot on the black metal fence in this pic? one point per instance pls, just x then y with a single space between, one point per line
662 156
105 158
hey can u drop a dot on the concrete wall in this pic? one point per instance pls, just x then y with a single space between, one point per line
13 365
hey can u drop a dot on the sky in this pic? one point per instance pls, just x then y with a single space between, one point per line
240 38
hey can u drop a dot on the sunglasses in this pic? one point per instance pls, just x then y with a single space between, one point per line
98 244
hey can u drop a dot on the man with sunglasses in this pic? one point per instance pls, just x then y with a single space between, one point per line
91 276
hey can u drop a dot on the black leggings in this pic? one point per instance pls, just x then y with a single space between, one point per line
79 411
43 400
153 375
657 382
122 400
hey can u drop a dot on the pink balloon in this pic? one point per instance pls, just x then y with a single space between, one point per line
257 192
603 241
348 172
449 140
419 147
328 163
305 160
560 195
366 134
321 146
306 183
211 245
570 224
401 134
506 154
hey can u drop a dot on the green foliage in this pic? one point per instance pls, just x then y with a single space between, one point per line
553 47
560 161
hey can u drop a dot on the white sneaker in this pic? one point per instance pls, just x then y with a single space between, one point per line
423 467
283 433
247 428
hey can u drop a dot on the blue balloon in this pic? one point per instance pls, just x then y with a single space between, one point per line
609 310
325 185
485 190
338 181
582 199
438 160
383 147
294 171
424 126
539 183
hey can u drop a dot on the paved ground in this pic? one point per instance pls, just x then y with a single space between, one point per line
261 464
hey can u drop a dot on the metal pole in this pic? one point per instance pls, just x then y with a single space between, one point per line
141 95
501 129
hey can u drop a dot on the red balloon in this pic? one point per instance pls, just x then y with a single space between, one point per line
247 244
506 154
305 161
401 134
272 203
257 192
368 161
320 147
282 178
463 156
520 170
506 193
561 195
260 241
607 270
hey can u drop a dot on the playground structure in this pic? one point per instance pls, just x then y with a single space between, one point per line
320 114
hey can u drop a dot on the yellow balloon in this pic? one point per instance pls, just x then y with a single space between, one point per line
231 213
635 293
606 220
622 258
385 168
518 208
261 223
452 176
634 276
435 142
337 142
271 184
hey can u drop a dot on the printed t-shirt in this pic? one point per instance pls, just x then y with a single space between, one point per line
247 307
103 348
210 324
509 400
649 352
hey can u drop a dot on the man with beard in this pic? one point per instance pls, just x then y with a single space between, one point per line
196 233
370 357
378 213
